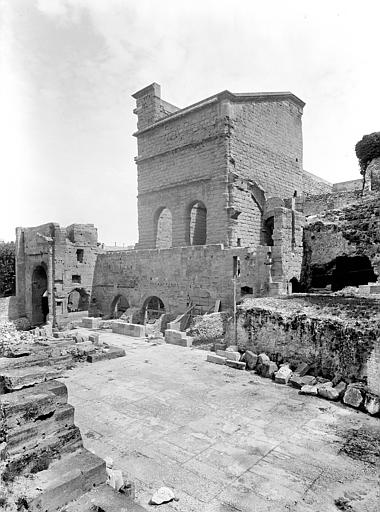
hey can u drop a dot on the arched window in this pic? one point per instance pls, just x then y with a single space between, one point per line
78 300
163 228
197 224
40 304
153 308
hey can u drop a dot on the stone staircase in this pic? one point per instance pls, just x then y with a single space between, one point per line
43 464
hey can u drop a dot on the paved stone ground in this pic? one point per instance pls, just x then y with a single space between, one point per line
224 440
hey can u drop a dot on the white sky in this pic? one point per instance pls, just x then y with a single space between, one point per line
69 67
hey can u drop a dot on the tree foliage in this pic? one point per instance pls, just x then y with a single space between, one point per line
367 149
7 269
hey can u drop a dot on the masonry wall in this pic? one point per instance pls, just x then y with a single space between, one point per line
200 274
179 162
266 145
314 185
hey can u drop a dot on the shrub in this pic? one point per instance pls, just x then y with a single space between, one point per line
367 149
7 269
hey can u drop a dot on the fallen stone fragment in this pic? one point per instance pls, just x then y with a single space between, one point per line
372 404
341 388
309 390
238 365
327 391
250 359
232 348
163 495
353 397
262 358
220 346
283 375
302 369
268 369
212 358
298 382
228 354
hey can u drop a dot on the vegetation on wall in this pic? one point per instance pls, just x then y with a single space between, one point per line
367 149
7 269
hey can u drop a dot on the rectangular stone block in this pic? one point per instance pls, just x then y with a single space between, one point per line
211 358
238 365
135 330
110 353
231 356
180 338
90 322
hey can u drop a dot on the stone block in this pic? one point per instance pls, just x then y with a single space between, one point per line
212 358
268 369
309 390
220 346
298 382
110 353
262 358
341 388
180 338
232 348
327 391
19 378
283 375
228 354
302 369
135 330
250 359
90 322
238 365
353 397
372 404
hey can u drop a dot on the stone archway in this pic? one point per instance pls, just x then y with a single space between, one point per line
196 228
119 306
40 304
78 300
152 309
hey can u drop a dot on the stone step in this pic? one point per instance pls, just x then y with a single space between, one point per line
41 456
103 498
18 378
66 480
38 358
109 353
28 436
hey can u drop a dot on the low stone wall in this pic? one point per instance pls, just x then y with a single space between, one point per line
8 308
296 331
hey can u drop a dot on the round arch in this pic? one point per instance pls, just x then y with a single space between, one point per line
163 228
196 223
119 306
40 302
153 308
78 300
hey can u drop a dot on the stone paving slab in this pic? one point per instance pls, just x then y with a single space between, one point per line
224 440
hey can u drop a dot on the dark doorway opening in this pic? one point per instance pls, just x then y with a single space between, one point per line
295 286
268 228
119 306
352 271
40 304
78 300
153 308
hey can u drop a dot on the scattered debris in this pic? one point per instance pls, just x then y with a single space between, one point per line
163 495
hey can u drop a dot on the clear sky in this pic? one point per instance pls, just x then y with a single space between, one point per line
69 67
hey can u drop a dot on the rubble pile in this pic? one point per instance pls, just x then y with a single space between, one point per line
10 336
354 394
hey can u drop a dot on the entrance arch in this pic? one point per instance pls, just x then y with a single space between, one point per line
40 304
196 229
78 300
153 308
119 306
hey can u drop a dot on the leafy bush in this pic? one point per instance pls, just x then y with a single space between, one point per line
367 149
7 269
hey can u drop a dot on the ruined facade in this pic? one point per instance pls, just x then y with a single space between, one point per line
219 181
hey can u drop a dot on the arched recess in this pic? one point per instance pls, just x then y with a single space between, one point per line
153 308
267 231
78 300
40 304
163 228
196 224
119 306
352 271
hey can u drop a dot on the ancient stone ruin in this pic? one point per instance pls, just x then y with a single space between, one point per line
238 247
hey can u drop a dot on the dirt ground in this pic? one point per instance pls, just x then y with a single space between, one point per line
224 440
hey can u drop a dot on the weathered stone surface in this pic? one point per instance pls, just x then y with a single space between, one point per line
94 338
262 358
232 348
106 499
178 338
228 354
109 353
302 369
298 382
372 404
283 375
238 365
309 390
250 359
211 358
22 407
18 378
327 391
269 368
353 397
135 330
220 346
341 388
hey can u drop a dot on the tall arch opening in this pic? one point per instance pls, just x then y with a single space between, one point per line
352 271
267 231
197 224
40 304
153 308
163 228
78 300
119 306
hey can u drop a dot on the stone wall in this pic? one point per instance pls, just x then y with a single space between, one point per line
313 184
8 309
336 337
